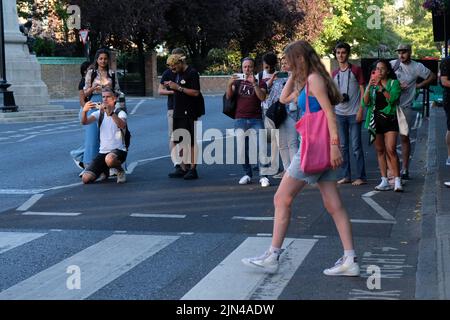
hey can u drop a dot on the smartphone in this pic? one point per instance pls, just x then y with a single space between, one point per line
99 105
240 76
282 74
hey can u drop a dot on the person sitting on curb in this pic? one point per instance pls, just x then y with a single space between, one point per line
112 149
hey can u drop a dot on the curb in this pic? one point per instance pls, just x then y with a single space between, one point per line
429 274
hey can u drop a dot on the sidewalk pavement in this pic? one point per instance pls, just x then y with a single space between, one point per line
433 270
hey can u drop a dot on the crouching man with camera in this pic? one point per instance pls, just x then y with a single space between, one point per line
349 114
113 151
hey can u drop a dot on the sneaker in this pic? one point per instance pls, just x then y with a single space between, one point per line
404 175
178 173
268 262
447 184
81 173
191 175
279 175
245 180
113 172
447 163
264 181
102 177
383 186
398 185
79 164
345 266
121 177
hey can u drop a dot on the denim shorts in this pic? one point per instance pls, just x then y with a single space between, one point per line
295 172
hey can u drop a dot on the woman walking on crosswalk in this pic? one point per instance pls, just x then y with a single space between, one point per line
308 71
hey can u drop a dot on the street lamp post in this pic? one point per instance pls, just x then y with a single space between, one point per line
7 102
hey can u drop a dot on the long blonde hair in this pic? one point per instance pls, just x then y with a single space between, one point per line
303 60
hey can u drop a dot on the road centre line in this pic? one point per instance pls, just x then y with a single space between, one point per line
151 215
59 214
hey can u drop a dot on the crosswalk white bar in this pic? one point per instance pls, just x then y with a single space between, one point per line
98 265
11 240
231 280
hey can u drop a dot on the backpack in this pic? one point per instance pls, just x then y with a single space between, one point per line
126 134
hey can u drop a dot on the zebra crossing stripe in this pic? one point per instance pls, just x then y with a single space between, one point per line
11 240
99 265
231 280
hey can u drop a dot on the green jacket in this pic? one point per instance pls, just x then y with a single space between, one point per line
394 89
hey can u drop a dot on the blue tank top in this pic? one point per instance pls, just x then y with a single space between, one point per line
314 105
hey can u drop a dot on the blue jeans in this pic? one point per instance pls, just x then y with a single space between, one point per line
243 148
350 130
91 135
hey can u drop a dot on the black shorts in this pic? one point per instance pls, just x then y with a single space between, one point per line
447 113
98 165
186 124
385 123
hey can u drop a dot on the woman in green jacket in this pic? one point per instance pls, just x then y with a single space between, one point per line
381 97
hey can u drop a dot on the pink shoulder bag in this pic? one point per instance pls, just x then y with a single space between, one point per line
315 144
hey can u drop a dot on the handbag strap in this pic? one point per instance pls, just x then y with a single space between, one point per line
307 97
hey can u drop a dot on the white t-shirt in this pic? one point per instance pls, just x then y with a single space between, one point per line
408 73
110 134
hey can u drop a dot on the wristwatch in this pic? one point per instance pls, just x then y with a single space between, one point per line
180 88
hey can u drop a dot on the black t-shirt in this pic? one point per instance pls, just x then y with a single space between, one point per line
185 106
445 72
168 75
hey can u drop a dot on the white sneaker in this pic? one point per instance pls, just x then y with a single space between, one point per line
268 262
447 163
264 182
121 177
345 266
245 180
447 184
383 186
102 177
398 185
113 172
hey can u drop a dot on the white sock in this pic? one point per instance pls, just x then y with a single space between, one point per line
349 253
274 249
384 180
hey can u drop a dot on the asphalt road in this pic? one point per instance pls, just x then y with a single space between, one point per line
161 238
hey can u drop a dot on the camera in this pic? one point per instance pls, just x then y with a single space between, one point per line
345 97
240 76
99 105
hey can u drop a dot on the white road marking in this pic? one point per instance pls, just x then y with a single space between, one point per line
231 280
378 209
253 218
21 191
373 221
27 138
11 240
30 202
99 265
137 106
150 215
60 214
